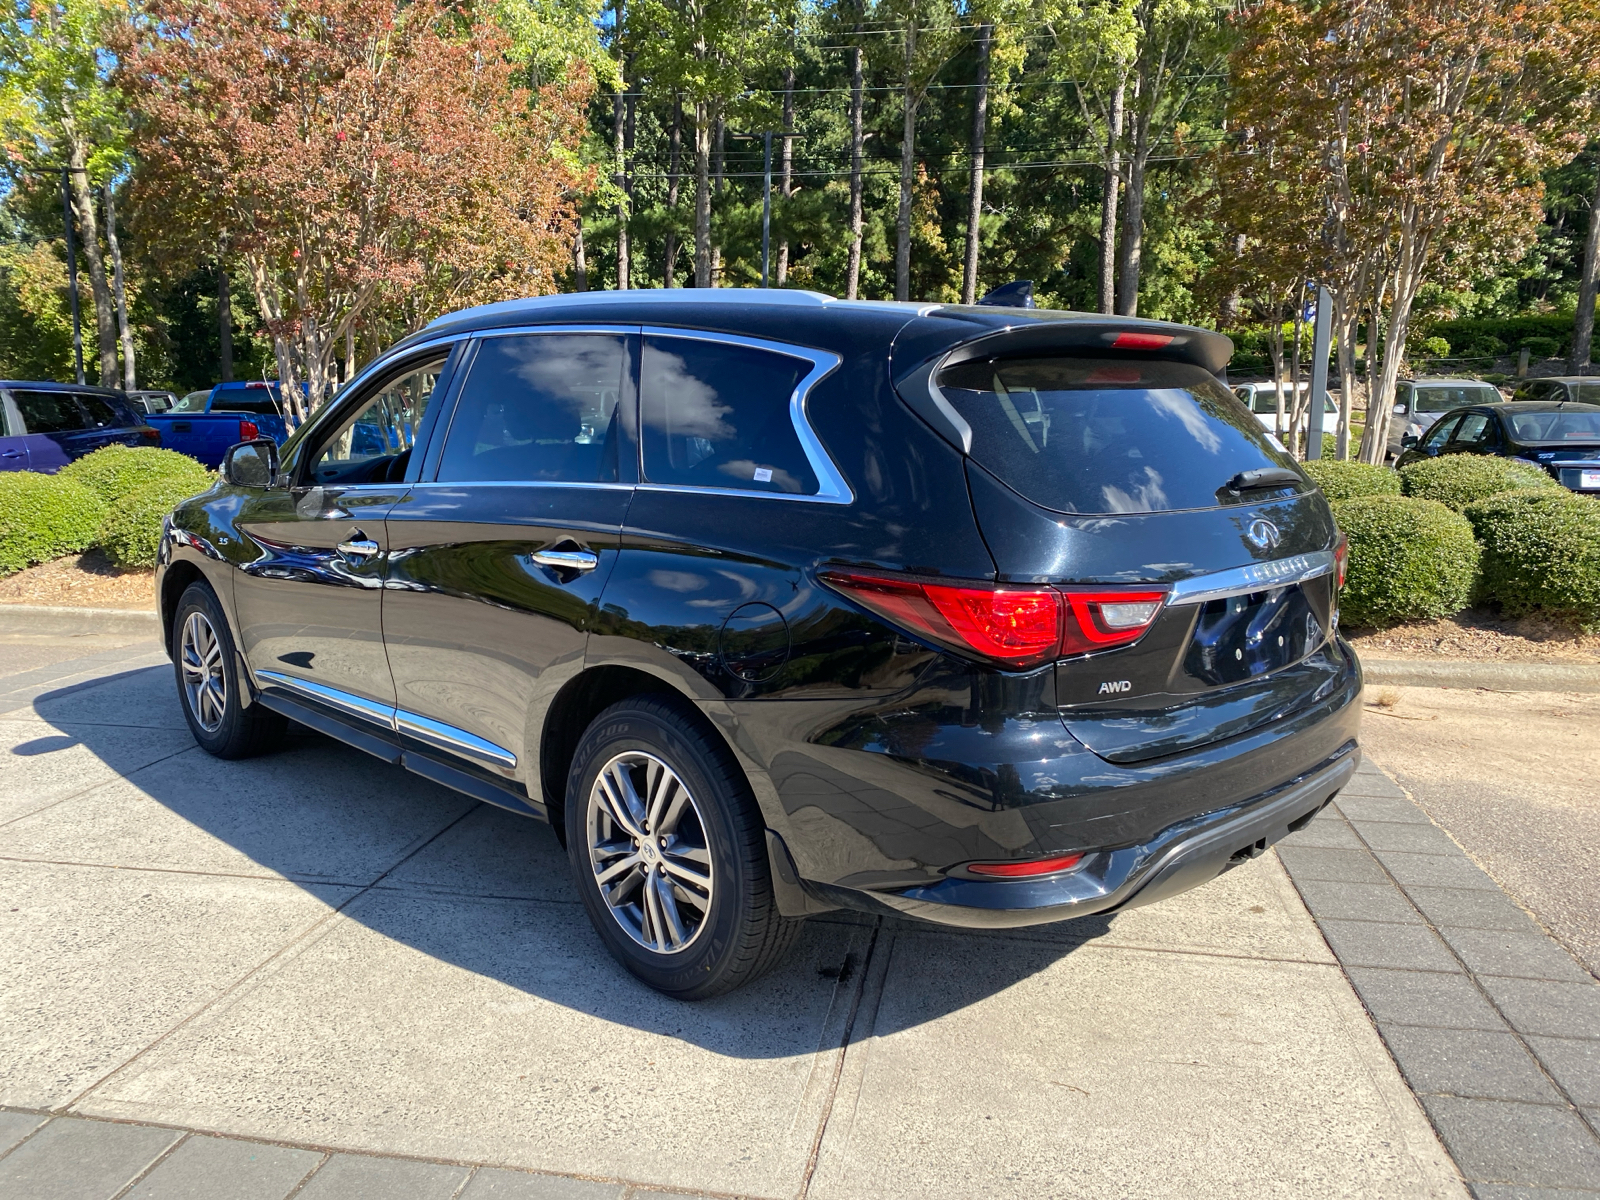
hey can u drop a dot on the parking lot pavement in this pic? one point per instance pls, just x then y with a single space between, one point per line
312 971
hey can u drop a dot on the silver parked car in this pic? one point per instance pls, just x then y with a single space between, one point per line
1418 403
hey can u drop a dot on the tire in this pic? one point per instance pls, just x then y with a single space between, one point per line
206 668
712 924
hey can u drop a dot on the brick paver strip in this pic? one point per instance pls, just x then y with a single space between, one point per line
213 1168
1494 1025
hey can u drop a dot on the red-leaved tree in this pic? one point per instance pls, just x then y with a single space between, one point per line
370 164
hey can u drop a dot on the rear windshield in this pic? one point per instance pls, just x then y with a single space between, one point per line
1089 435
1555 426
1443 399
254 400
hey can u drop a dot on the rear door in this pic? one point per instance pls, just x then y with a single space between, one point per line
54 426
1120 479
13 437
1474 434
498 555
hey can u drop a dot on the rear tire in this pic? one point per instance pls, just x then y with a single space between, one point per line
209 687
668 850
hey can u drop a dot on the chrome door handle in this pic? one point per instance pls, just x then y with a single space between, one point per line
567 560
358 548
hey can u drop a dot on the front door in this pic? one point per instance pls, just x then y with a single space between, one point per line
497 561
309 591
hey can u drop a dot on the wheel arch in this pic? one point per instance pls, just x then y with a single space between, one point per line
174 582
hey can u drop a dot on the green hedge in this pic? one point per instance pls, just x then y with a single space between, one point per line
131 532
114 471
1459 479
1508 331
43 517
1410 560
1541 553
1347 480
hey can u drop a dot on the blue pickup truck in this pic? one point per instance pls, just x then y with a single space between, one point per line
204 424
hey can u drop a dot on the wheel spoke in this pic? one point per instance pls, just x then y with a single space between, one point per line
674 813
695 854
667 906
652 909
662 785
616 808
687 875
620 867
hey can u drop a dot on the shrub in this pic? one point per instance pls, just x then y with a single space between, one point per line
1541 552
43 517
1347 480
1435 347
1484 346
1409 560
1509 331
131 533
1541 347
114 471
1459 479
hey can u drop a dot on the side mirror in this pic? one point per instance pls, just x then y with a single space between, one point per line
1408 440
251 464
1400 410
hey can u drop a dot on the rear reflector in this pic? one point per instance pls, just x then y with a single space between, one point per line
1024 870
1016 627
1341 559
248 431
1141 341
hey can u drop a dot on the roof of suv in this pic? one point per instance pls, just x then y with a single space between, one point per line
41 385
813 318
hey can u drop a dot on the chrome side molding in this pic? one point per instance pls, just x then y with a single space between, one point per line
1257 577
396 720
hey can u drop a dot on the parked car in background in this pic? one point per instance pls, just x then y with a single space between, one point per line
1583 388
153 401
1560 437
44 426
204 424
1418 403
1262 399
773 603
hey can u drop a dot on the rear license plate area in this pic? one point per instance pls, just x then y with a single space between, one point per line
1241 637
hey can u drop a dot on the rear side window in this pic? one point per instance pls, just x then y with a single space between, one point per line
538 408
1091 435
49 412
102 414
716 415
1443 399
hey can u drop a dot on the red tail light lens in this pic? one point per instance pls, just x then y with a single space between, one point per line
150 435
1017 627
1141 341
1103 620
1025 870
1341 559
248 431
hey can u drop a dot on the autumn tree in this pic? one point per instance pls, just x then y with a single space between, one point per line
368 164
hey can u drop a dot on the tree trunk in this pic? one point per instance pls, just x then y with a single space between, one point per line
719 168
1231 302
702 194
1348 322
908 150
580 267
124 334
1380 400
1583 325
786 171
1131 249
89 243
669 273
620 176
980 133
224 324
853 275
1108 203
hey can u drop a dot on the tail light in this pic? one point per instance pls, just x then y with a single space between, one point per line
248 431
1341 559
1016 627
150 435
1026 870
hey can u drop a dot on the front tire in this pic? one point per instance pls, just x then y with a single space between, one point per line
668 850
209 686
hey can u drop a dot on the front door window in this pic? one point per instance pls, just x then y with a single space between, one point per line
374 446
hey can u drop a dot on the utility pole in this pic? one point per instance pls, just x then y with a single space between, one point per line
72 271
766 203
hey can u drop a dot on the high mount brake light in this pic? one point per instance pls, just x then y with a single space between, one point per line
1026 870
1016 627
1141 341
1341 560
249 431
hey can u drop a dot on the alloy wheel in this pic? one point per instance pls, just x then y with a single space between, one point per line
205 686
647 845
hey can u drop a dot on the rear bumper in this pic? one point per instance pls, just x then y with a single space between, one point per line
1180 857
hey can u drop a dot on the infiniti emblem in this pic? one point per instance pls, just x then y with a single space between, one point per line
1263 534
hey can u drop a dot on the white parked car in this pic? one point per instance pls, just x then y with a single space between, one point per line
1262 399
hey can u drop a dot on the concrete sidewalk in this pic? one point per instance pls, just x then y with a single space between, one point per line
313 971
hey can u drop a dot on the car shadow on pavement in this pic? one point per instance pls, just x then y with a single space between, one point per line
464 883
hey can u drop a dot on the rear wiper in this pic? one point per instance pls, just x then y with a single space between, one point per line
1263 477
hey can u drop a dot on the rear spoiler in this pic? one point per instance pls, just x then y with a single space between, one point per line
1110 336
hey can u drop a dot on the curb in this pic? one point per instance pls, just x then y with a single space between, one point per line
1499 677
76 622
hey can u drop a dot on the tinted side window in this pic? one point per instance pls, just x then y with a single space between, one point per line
1441 430
49 412
538 408
714 414
374 446
101 414
1473 430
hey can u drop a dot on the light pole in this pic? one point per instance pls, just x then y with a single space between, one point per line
1319 371
72 270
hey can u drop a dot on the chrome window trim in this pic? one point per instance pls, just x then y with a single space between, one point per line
521 483
396 720
831 486
1257 577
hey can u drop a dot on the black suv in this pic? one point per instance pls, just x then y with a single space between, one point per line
772 603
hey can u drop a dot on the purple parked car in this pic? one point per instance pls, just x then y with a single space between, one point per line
44 426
